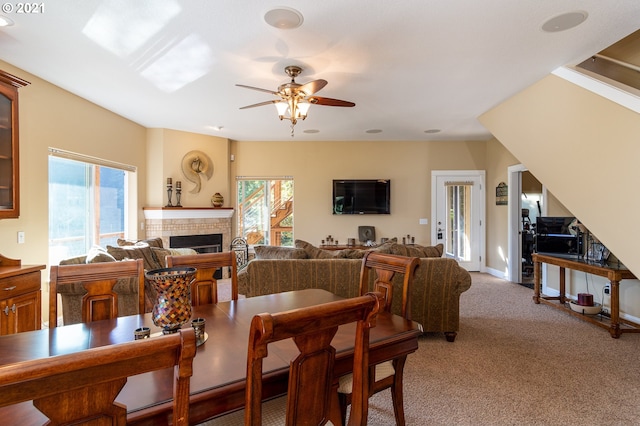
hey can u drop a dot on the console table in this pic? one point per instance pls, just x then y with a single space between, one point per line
613 272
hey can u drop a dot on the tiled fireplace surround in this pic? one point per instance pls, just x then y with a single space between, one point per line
168 222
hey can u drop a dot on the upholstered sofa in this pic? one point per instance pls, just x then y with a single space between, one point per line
150 251
435 296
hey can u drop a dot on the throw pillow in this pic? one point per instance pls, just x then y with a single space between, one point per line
386 247
97 254
315 252
351 254
161 255
416 250
136 252
151 242
277 252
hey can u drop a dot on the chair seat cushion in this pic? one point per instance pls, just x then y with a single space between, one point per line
383 370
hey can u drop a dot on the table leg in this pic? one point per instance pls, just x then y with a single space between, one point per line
537 273
563 281
614 330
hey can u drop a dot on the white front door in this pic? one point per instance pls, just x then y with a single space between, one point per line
458 209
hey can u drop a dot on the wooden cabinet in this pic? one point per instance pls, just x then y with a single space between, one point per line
9 146
20 296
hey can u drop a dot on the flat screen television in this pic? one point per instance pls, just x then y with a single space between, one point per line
361 196
555 235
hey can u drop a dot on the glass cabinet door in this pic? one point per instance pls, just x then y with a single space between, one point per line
9 161
6 155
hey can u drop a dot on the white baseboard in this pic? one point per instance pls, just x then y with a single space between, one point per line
496 273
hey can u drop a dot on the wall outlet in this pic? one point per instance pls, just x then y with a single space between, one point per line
20 237
607 289
423 222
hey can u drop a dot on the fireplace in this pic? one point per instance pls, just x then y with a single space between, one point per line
207 243
168 222
191 223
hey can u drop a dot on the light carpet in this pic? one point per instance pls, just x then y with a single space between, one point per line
518 363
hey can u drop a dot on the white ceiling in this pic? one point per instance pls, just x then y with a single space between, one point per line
409 65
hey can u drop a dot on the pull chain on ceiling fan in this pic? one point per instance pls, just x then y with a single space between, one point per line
295 99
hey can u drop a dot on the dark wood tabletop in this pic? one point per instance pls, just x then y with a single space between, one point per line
218 381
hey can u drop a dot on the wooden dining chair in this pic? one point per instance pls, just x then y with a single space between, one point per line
80 388
386 375
204 289
311 395
98 279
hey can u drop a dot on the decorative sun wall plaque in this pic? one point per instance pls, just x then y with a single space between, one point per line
502 194
197 165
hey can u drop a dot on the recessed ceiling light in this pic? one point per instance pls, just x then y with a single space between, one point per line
565 21
284 18
5 22
374 131
432 131
312 131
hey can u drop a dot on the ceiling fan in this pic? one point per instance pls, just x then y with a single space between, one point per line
295 99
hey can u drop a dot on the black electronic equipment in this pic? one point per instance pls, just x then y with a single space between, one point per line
558 235
362 196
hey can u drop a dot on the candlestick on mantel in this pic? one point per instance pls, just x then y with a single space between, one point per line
178 192
169 187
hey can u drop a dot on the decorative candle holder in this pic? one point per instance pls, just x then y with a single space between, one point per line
169 187
172 307
178 192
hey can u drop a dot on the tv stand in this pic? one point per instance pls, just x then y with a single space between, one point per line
614 272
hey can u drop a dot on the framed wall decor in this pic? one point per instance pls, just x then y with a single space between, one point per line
502 194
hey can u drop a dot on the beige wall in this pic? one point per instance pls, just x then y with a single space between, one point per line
52 117
497 216
166 150
582 147
313 166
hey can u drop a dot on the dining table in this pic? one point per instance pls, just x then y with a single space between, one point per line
219 368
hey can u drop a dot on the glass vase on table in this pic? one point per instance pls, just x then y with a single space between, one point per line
172 307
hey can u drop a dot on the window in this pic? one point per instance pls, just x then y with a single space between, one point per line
87 204
458 203
265 211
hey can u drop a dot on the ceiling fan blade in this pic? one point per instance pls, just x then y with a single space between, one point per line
312 87
316 100
261 104
257 88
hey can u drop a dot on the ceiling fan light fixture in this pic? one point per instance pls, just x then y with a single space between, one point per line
284 18
282 108
295 99
303 109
